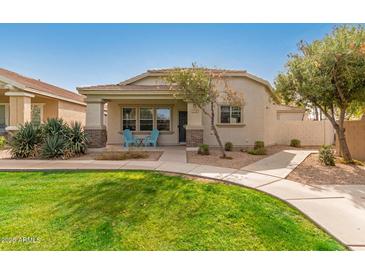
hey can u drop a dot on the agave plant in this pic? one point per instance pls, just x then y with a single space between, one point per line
26 140
55 126
54 147
77 139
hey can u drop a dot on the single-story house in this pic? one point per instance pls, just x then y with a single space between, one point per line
146 101
25 99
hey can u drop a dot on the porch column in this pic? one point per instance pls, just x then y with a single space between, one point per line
95 127
19 108
194 128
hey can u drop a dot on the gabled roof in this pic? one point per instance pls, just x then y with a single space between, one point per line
128 85
39 87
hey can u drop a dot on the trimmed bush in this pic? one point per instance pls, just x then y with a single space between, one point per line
2 142
228 146
203 149
295 143
259 144
326 155
257 151
26 141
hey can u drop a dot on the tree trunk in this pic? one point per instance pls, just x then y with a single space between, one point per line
344 149
215 131
340 130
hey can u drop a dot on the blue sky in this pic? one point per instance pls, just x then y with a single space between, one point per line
71 55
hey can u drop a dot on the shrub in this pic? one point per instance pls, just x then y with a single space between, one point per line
203 149
77 140
295 143
228 146
54 147
2 142
55 126
326 155
26 140
259 144
257 151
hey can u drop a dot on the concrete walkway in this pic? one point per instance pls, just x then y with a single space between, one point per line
340 210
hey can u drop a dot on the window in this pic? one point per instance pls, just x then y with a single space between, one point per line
163 118
129 118
145 119
230 115
36 113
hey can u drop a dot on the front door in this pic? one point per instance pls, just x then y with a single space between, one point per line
183 121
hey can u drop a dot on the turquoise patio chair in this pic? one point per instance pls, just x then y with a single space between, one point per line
152 139
128 138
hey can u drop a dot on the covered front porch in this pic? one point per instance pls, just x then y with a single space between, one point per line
178 122
18 107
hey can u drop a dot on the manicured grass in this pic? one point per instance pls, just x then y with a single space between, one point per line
146 211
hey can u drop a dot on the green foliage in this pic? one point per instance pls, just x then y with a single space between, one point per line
55 139
326 155
2 142
228 146
26 141
259 145
328 73
54 147
193 84
203 149
77 140
257 151
295 143
55 126
113 210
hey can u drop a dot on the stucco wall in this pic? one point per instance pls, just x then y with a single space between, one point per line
308 132
70 112
114 135
355 137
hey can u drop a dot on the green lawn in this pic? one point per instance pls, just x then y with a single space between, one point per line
138 210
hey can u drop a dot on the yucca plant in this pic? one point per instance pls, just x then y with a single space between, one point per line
54 147
25 141
55 126
77 139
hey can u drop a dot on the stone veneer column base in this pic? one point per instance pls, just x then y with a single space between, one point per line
97 137
194 137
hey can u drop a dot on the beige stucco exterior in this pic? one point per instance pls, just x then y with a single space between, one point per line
355 136
261 117
18 107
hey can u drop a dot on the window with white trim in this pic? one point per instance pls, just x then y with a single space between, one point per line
230 115
145 119
129 118
163 119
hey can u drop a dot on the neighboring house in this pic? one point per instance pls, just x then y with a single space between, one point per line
25 99
145 102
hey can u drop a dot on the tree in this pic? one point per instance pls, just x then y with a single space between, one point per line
328 74
200 86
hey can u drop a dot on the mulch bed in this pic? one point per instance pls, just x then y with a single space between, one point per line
311 171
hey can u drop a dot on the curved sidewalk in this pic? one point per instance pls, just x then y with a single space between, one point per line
340 210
